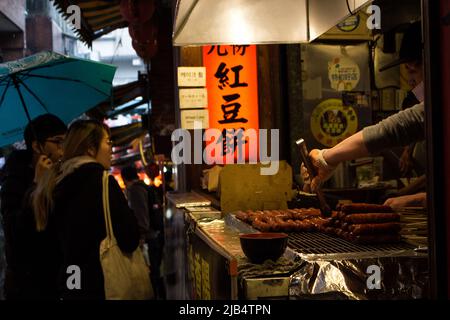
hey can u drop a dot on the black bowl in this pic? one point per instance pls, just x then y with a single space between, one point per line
259 247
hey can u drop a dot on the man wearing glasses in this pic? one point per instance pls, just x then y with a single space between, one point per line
44 137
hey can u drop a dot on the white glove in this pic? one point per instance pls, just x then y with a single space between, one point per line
323 169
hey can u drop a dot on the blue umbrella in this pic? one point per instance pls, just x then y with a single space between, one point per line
49 82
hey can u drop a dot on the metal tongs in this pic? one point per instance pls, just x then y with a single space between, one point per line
324 208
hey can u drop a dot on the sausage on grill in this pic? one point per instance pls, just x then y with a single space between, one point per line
360 218
364 208
375 228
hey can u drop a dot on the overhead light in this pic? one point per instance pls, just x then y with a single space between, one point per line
209 22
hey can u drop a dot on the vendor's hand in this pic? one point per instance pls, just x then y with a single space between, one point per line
411 200
43 164
323 169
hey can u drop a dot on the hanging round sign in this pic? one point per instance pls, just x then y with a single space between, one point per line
349 24
331 122
343 73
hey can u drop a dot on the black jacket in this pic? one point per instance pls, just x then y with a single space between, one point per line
33 258
17 181
78 213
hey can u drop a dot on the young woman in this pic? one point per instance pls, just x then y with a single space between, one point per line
70 200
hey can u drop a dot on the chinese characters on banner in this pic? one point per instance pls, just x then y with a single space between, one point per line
232 84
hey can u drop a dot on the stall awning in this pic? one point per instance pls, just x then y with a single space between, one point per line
123 135
209 22
98 17
121 95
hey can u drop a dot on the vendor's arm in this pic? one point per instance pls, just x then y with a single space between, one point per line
412 200
414 187
349 149
326 160
400 129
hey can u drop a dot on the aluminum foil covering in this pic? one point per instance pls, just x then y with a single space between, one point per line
395 277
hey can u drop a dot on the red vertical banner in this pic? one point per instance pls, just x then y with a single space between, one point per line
232 84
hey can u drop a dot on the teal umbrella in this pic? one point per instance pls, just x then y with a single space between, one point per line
49 82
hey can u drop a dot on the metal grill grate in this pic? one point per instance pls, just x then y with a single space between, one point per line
320 243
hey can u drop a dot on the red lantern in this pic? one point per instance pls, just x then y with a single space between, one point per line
146 31
145 50
137 11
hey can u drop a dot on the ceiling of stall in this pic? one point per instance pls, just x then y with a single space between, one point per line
203 22
98 17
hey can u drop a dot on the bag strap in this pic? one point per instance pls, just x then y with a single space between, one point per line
106 209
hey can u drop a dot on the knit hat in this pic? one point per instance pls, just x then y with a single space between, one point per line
42 128
410 48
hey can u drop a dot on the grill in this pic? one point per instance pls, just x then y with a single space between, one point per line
320 243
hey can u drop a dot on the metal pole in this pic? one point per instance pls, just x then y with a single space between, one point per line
16 84
437 168
22 100
149 94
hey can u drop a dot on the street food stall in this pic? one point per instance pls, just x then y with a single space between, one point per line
321 261
324 89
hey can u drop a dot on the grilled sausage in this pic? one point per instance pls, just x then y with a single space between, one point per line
364 208
360 218
263 223
375 228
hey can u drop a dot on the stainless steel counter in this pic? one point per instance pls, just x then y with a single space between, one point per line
403 272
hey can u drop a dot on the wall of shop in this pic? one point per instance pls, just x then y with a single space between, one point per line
14 10
445 38
12 27
162 79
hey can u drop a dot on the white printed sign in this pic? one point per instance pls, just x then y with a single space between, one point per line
343 73
191 76
188 117
193 98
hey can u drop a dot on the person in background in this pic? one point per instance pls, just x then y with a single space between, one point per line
68 201
410 55
157 241
23 168
143 200
413 158
137 195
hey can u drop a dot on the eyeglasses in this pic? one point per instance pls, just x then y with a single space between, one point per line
58 142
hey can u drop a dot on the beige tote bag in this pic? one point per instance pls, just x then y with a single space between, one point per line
127 277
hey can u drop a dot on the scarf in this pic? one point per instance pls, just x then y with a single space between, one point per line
71 165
